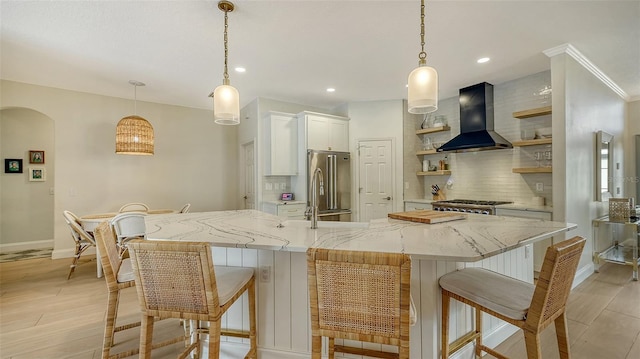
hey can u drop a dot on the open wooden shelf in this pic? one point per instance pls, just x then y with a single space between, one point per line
540 111
432 130
426 152
532 170
434 173
534 142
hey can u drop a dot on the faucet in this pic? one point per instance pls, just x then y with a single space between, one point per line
313 208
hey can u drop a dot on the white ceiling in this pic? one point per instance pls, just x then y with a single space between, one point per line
294 50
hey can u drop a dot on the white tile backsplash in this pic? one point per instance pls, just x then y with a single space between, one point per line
487 175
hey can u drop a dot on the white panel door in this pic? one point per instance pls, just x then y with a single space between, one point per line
375 179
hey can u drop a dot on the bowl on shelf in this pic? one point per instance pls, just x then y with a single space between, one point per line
544 132
527 134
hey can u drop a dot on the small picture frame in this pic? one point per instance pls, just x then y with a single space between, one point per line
36 156
12 165
287 197
37 174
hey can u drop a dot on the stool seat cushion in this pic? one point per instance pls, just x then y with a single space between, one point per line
230 280
499 293
125 273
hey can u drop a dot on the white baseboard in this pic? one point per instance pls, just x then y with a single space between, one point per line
23 246
582 274
69 252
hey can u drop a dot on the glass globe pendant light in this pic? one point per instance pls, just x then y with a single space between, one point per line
423 80
226 100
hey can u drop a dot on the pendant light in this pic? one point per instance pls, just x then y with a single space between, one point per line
226 100
134 134
423 80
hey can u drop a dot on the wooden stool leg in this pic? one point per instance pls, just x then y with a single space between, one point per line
316 346
214 338
253 352
532 341
479 331
146 336
446 300
562 336
332 348
110 322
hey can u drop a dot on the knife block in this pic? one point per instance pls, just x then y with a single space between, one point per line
439 197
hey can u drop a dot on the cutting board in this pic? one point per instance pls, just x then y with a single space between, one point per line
427 216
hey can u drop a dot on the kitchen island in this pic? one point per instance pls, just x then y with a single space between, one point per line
276 248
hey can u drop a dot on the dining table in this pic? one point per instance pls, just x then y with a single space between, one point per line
89 223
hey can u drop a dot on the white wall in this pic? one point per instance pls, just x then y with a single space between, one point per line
377 120
195 160
582 105
632 176
26 206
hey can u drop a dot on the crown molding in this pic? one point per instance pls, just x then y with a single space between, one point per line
587 64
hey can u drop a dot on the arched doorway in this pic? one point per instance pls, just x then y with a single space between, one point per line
27 195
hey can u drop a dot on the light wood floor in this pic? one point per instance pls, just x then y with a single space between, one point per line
42 315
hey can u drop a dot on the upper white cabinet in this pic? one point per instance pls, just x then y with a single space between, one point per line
281 139
325 132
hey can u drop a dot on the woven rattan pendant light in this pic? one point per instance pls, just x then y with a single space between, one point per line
134 134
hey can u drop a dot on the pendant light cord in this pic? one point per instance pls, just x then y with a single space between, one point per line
422 56
226 49
135 99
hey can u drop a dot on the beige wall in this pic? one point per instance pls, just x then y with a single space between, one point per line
195 160
582 105
26 207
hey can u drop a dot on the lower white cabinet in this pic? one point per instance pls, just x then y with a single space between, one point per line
540 247
413 206
288 210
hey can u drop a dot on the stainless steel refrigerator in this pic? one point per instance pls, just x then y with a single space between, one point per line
335 203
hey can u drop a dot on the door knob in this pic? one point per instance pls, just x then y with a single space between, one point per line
245 197
388 198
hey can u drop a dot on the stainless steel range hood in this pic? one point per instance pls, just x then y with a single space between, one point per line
476 122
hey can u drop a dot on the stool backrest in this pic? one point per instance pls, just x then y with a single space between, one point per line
359 295
554 284
129 225
175 279
109 255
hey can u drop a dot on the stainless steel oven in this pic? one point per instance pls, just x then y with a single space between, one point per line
468 206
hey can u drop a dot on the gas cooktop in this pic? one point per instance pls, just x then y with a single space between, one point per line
473 202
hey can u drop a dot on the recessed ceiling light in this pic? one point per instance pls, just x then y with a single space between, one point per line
482 60
331 89
240 69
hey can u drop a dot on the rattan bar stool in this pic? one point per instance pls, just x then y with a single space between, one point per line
179 280
530 308
82 239
118 275
362 296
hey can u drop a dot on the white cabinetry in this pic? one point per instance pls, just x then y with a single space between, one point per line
325 132
281 139
288 210
540 247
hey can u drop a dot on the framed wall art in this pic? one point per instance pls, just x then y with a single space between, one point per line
37 174
36 156
12 165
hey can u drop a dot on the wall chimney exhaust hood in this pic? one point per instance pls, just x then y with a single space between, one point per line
476 122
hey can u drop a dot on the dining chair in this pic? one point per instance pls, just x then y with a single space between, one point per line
128 226
179 280
82 238
362 296
530 308
185 208
118 275
134 207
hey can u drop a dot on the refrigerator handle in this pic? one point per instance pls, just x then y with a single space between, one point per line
332 181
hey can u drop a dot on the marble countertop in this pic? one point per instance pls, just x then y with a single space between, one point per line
278 202
470 239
